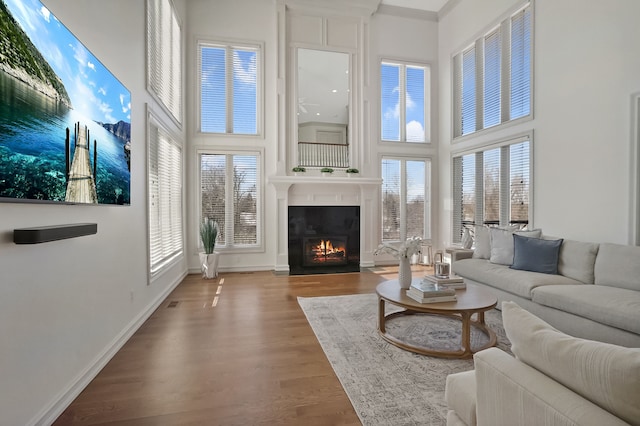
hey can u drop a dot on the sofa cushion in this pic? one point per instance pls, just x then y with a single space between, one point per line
483 243
502 244
616 307
618 266
535 255
460 395
607 375
510 280
577 260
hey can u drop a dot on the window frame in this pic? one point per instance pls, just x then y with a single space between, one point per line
427 231
259 247
403 64
503 25
176 82
155 270
504 187
229 45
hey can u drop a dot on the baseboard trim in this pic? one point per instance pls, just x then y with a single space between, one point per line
49 414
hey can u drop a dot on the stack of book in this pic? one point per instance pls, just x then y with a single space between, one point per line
451 281
426 291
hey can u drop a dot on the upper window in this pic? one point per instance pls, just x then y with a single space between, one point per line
405 196
230 195
165 196
164 58
229 88
492 77
404 102
492 187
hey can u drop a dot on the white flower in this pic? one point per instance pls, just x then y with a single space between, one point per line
407 249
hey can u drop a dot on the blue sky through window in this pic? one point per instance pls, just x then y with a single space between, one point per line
394 80
90 85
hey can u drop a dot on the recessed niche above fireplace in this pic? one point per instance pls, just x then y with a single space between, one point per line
324 239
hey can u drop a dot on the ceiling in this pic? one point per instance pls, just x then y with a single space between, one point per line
430 5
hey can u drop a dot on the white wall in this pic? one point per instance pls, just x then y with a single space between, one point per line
66 306
584 74
243 21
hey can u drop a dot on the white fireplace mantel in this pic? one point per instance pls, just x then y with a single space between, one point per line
326 191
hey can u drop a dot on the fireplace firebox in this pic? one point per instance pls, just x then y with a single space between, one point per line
324 239
327 250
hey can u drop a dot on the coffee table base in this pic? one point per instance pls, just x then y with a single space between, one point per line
466 351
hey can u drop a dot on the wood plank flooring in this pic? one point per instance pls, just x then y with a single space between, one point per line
252 359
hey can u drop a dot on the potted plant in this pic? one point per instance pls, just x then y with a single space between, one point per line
298 170
209 258
352 172
326 171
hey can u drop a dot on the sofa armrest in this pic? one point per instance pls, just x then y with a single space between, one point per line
510 392
459 254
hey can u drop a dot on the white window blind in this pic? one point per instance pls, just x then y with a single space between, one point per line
404 102
492 186
230 184
164 57
165 197
229 88
492 77
405 199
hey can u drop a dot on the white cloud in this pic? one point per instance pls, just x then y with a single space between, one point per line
45 13
415 132
91 65
102 91
125 107
248 74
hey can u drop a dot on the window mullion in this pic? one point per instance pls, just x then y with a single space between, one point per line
229 84
505 185
403 200
479 188
229 211
403 103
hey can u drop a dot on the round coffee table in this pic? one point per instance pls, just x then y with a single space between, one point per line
470 301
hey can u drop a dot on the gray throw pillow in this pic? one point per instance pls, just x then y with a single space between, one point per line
535 254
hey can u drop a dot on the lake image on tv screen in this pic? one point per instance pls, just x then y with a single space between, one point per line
65 120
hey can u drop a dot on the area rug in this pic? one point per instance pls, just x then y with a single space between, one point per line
388 385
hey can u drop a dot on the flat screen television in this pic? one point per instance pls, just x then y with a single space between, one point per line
65 120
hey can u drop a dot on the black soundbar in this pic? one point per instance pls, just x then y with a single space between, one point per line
43 234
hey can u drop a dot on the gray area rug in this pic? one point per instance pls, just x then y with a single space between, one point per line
388 385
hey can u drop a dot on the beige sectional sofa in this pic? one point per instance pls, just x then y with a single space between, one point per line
554 379
593 294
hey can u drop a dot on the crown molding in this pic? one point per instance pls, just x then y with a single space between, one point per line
405 12
363 8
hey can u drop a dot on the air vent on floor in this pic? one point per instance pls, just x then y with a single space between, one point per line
173 304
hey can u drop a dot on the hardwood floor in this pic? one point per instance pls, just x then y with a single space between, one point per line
248 357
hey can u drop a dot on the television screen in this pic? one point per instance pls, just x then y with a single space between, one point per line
65 120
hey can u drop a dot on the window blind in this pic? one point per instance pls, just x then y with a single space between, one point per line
492 186
492 76
390 109
391 200
229 79
165 198
164 57
521 64
415 104
415 176
230 185
468 101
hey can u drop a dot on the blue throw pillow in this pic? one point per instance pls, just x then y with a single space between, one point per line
535 254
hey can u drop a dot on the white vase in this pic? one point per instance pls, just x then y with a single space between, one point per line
209 265
404 273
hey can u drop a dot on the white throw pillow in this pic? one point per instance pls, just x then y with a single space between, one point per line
605 374
483 243
502 244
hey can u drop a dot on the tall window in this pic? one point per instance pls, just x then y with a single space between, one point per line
492 77
404 102
229 78
164 57
405 199
165 196
230 195
492 187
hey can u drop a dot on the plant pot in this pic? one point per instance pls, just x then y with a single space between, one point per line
209 265
298 173
326 174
